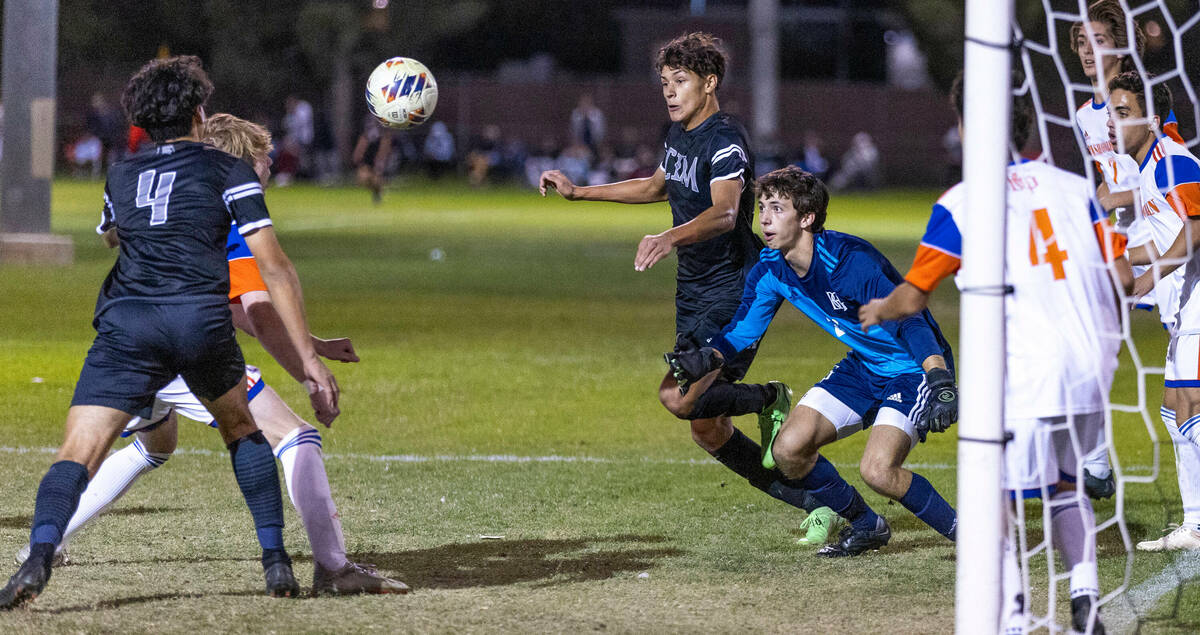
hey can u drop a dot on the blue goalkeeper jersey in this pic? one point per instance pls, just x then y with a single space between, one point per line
846 272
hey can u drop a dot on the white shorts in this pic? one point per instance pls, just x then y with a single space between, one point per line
1183 361
846 421
178 397
1041 452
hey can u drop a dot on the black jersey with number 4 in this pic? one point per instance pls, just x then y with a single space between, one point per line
172 207
713 151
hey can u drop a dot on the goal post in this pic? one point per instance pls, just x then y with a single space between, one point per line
986 109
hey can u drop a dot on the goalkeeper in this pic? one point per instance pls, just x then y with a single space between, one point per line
896 377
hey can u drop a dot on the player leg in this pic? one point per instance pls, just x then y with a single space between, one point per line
1187 472
1072 521
298 447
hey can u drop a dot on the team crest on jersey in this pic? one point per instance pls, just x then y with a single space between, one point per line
678 168
835 301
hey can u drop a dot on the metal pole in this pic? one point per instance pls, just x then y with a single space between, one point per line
27 166
764 69
987 104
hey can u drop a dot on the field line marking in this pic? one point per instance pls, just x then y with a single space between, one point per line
1122 615
495 458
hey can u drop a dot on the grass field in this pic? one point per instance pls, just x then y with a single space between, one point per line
507 389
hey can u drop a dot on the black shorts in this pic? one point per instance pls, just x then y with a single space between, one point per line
140 347
696 321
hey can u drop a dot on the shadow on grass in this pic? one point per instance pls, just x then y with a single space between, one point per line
546 562
23 522
117 603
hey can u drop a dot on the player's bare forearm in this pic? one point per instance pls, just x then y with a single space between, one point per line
1185 244
903 301
284 287
1112 200
1124 274
110 238
934 361
268 327
1142 254
714 221
633 191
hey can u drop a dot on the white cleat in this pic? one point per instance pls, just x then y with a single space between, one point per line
1181 539
60 556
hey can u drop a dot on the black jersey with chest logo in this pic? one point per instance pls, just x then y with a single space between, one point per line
172 207
715 150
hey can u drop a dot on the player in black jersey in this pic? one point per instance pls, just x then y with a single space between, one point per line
707 176
163 312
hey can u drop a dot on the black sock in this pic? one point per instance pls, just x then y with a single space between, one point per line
254 469
57 498
723 399
744 457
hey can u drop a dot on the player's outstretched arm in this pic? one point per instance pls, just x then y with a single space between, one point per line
651 189
712 222
257 316
903 301
284 286
1185 244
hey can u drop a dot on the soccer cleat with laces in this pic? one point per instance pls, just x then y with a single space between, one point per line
771 419
821 523
852 542
281 582
353 579
60 556
26 583
1081 613
1099 488
1182 538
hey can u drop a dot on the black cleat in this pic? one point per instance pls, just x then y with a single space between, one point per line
1081 615
852 542
1099 488
26 583
281 583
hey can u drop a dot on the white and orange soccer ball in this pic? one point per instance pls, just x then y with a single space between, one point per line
401 93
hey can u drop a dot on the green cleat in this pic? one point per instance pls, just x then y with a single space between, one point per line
821 523
772 418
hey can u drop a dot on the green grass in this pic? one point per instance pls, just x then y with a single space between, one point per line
533 336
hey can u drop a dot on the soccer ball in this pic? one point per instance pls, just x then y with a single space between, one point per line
401 93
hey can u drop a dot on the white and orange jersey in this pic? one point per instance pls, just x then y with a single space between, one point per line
1119 170
1062 329
1157 223
1170 186
244 275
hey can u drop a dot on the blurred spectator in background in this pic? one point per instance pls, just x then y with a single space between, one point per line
540 160
512 159
298 131
371 155
625 154
587 123
439 150
860 165
575 161
326 163
647 162
813 162
952 144
483 154
106 123
86 156
602 166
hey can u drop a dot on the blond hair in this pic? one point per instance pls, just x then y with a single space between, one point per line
243 139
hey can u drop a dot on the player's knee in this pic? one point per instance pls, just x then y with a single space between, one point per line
876 474
795 449
675 403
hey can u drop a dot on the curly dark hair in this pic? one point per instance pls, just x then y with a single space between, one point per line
697 52
807 192
1132 81
163 96
1022 107
1110 14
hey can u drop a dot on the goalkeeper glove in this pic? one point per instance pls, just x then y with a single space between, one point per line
942 410
689 365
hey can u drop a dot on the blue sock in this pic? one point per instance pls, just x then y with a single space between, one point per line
925 503
57 498
826 485
254 468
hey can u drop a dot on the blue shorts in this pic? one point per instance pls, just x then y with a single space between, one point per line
853 397
140 347
694 324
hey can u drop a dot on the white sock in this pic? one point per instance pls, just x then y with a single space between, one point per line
1096 462
1187 471
111 481
1014 602
1073 526
308 487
